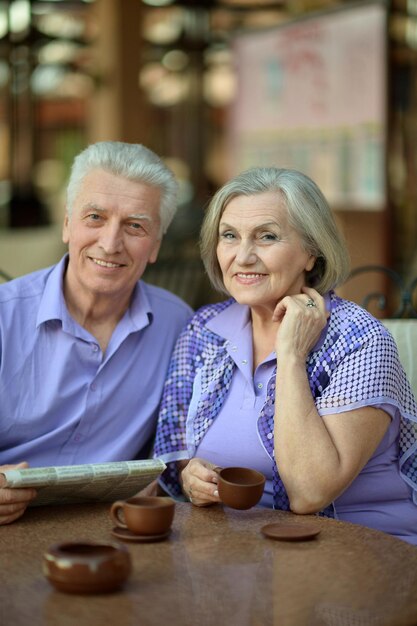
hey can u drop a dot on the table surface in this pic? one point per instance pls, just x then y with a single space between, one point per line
216 569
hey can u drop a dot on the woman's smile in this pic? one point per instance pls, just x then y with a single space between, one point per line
249 278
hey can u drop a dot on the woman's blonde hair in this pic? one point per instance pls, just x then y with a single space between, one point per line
308 213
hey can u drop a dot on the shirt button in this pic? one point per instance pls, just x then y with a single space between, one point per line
94 347
77 437
244 361
234 348
259 385
93 386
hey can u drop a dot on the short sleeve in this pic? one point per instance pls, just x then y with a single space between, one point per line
368 374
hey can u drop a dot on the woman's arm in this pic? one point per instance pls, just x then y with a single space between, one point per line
173 410
187 359
317 457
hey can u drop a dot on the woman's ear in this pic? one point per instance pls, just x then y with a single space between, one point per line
310 263
314 275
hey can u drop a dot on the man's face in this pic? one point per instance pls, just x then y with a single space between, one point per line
112 234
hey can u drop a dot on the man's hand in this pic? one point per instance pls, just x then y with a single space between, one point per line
13 502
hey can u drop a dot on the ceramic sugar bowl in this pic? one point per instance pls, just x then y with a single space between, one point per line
87 567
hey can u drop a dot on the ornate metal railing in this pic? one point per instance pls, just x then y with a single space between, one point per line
397 298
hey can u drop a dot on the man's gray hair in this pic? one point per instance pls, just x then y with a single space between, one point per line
308 213
128 160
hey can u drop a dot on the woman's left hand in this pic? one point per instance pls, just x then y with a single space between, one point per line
302 318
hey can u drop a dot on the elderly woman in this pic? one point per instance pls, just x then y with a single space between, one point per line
285 376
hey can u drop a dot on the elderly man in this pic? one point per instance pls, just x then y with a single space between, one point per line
85 345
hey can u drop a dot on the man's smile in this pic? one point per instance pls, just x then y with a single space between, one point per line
106 263
243 275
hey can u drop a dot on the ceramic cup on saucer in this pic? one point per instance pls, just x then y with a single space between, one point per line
240 487
143 516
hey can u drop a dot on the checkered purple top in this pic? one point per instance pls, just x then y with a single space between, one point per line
355 364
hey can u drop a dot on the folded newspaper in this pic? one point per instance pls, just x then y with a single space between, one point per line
97 482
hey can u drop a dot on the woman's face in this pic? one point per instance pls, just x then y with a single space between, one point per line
261 256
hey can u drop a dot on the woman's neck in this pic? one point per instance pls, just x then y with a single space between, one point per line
264 332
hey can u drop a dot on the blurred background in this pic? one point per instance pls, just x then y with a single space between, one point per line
324 86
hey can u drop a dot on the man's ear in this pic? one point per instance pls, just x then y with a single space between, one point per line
65 229
155 251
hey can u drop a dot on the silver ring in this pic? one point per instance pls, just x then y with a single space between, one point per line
310 303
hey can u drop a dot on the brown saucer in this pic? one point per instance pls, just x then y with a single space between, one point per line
126 535
290 532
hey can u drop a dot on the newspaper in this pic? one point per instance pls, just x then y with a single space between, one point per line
97 482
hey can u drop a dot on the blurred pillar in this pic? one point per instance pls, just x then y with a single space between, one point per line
197 36
25 208
119 110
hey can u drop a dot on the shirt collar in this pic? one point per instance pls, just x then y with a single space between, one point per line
140 308
53 306
231 321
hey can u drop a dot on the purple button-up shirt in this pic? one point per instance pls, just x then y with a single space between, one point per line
61 401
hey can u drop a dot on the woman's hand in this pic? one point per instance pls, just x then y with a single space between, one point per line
302 318
199 482
13 502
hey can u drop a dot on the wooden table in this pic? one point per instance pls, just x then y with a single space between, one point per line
216 569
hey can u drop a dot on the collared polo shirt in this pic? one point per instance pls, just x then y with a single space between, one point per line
233 439
62 401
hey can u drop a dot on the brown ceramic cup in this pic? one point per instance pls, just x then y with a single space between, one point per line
144 515
240 487
87 567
